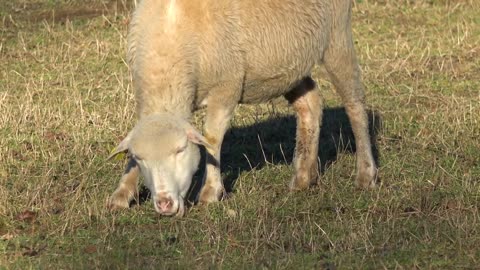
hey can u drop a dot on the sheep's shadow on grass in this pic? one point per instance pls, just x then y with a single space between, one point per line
273 141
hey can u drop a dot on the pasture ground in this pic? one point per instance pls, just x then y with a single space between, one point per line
66 100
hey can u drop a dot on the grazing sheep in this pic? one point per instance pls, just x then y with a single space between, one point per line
185 54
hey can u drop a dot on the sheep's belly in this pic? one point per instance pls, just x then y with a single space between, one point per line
263 90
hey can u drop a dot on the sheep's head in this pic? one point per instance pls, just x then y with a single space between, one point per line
165 149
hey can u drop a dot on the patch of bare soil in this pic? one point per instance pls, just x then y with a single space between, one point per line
36 12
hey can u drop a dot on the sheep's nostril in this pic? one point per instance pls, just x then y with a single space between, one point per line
165 205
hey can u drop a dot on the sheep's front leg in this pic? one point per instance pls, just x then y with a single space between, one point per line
221 105
127 187
308 107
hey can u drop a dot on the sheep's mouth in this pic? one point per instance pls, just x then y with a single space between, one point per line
179 212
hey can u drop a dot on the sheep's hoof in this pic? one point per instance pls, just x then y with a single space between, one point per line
210 194
366 178
302 181
118 201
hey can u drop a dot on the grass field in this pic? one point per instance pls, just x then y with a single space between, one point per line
66 101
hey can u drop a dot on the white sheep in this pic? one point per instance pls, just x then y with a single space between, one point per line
185 54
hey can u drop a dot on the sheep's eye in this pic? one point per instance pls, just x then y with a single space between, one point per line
180 149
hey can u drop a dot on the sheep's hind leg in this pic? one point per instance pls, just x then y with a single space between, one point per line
127 187
220 107
341 63
308 106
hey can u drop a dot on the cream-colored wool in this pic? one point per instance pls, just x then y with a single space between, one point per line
218 53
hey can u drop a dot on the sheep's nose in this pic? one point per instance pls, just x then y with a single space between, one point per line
165 206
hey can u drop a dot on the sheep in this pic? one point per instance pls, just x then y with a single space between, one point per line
189 54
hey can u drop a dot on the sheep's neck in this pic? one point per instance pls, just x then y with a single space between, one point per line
170 100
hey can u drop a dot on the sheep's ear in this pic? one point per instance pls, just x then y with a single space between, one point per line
121 147
194 136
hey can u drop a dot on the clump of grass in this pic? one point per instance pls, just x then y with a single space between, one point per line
66 100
